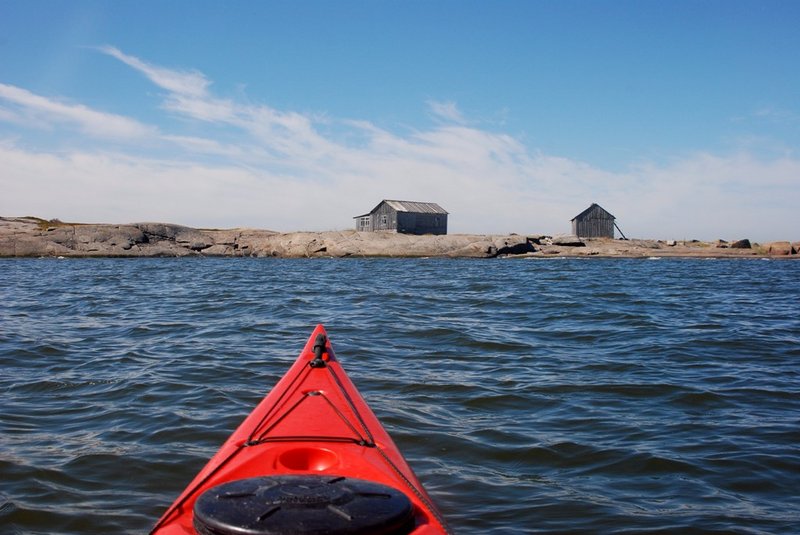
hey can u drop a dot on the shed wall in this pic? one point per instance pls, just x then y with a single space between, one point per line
594 223
593 228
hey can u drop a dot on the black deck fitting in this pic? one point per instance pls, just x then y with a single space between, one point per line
319 349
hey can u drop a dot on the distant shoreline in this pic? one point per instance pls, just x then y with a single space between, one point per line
36 237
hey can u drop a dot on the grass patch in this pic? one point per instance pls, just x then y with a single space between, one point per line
44 224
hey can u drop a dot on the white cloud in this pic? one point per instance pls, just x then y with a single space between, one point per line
114 187
282 170
202 109
187 83
206 146
447 111
46 111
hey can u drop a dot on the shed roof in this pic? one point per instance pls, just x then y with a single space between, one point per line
592 207
409 206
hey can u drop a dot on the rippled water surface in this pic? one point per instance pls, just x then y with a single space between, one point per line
530 396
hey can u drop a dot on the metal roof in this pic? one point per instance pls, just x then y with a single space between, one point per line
409 206
417 207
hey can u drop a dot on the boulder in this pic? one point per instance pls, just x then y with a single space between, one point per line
512 245
568 241
780 248
741 244
476 249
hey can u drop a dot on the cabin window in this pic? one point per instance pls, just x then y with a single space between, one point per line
384 221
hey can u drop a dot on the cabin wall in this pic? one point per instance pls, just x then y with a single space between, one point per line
384 218
419 223
364 223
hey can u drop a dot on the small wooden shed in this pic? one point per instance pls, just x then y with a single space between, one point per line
594 222
407 217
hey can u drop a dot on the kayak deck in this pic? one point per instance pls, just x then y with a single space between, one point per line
313 423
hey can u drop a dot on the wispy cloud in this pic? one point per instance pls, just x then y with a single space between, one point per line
777 114
45 111
206 146
289 133
188 83
447 111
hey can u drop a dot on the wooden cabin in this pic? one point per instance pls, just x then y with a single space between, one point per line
594 222
407 217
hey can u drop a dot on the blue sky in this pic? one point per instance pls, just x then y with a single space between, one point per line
682 118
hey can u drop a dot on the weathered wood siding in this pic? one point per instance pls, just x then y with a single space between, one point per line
404 216
595 222
384 218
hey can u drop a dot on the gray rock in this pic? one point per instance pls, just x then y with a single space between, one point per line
187 237
107 239
568 241
27 246
513 245
219 249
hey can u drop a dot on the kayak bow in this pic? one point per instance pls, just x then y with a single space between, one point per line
311 458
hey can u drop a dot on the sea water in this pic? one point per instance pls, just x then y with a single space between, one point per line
530 396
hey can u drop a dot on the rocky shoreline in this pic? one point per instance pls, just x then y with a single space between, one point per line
35 237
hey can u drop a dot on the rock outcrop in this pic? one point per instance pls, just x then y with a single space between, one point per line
33 237
36 237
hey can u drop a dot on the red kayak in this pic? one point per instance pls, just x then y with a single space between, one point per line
311 458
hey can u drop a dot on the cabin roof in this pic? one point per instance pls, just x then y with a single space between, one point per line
592 207
409 206
413 206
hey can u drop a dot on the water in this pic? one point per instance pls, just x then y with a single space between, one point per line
530 396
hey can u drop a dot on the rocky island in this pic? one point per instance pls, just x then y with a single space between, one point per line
35 237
